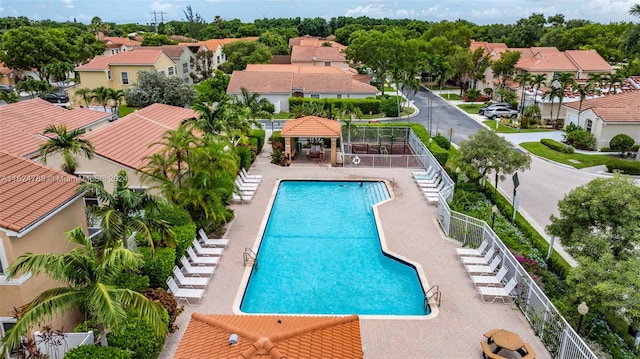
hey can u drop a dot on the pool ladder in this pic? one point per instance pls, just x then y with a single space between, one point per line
433 293
250 258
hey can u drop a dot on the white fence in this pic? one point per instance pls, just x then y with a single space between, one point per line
555 333
56 346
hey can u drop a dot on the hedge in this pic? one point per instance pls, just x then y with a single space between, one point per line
96 352
259 136
244 152
442 141
624 166
557 146
366 105
174 215
184 236
158 266
138 337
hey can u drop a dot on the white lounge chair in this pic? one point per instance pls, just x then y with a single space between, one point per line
246 174
246 186
498 292
425 172
435 189
473 252
202 251
484 269
478 260
239 198
197 271
432 198
200 260
428 174
186 294
189 282
206 241
428 183
246 179
490 280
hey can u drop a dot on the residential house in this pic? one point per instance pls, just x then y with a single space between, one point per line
315 51
116 45
548 61
268 336
39 204
22 124
124 144
215 46
183 58
607 116
277 83
121 70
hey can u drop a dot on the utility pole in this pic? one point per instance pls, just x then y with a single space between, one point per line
155 18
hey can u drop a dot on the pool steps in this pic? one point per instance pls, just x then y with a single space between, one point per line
376 192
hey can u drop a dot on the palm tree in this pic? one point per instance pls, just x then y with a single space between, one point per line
258 107
551 94
70 144
635 10
523 79
86 94
122 213
565 79
537 81
102 95
614 79
89 277
584 91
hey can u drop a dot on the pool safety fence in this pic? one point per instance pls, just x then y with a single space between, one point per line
560 339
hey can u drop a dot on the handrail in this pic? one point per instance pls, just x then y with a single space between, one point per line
436 294
250 257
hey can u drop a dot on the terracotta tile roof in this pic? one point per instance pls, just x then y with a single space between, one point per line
271 336
119 41
281 59
311 54
212 44
22 123
634 81
128 140
312 41
623 107
135 57
283 78
589 60
30 191
550 61
311 126
173 51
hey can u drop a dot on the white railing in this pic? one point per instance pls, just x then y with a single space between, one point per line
56 346
553 330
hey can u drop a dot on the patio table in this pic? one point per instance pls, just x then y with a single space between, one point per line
504 339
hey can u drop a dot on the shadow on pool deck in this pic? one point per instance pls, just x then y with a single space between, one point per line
411 230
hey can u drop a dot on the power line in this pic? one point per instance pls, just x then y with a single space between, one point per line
155 18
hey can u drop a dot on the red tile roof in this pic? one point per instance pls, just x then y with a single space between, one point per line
271 336
313 41
623 107
212 44
30 191
589 60
134 57
311 126
22 123
173 51
313 54
119 41
128 140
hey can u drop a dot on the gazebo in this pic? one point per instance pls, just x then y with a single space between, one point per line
310 126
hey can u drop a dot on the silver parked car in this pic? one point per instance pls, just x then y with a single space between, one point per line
500 112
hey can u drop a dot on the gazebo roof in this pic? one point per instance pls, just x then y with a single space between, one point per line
311 126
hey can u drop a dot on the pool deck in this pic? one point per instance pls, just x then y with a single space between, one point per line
411 230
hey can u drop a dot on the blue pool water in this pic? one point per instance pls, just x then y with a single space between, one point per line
320 254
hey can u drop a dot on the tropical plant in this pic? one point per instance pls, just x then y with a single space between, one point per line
122 213
85 94
70 144
473 95
258 107
551 94
102 95
584 90
538 80
88 275
523 79
565 79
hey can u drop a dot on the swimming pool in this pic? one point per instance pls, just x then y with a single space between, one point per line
320 254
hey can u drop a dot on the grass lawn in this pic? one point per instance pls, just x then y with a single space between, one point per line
471 108
125 110
577 160
452 96
506 129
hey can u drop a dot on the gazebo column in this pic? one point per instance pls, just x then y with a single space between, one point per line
288 152
334 142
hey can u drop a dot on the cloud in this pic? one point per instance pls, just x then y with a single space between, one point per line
369 10
68 4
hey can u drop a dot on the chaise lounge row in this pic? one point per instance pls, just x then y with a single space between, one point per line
189 282
430 183
246 186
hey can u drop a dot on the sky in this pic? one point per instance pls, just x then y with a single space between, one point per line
480 12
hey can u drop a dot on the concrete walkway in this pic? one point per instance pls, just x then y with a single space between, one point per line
409 228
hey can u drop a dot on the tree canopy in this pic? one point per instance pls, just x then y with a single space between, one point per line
241 53
154 87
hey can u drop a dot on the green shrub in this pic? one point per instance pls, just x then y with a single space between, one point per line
277 141
606 149
96 352
174 215
390 107
624 166
259 136
132 281
277 157
184 237
137 337
557 146
244 152
442 141
366 105
581 139
441 157
169 302
158 266
621 142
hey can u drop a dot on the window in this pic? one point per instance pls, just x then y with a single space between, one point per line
327 63
339 95
170 70
108 75
589 125
218 60
315 95
185 68
125 78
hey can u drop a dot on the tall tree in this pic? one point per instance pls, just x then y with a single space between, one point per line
600 217
122 213
195 22
480 63
584 90
70 144
243 52
551 94
487 152
258 107
86 94
90 284
537 81
524 78
505 66
566 80
212 89
154 87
